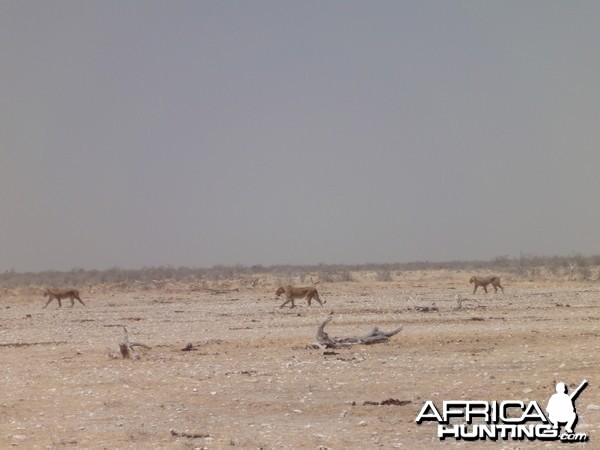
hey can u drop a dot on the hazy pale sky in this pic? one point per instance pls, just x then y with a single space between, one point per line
194 133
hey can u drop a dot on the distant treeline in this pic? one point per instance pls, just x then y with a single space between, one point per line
576 267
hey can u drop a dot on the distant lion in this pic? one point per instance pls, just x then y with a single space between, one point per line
484 281
59 294
292 293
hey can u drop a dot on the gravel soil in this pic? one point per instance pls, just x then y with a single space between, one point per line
255 379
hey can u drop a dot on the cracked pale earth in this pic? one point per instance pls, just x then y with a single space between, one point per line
255 380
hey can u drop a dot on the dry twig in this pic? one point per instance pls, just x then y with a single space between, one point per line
216 291
188 435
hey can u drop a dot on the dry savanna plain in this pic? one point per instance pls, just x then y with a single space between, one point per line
253 378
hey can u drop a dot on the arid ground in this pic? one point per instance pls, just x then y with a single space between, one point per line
254 378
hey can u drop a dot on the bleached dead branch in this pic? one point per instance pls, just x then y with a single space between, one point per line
374 337
126 348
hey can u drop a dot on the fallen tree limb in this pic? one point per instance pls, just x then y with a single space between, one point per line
374 337
126 347
27 344
189 435
217 291
459 301
416 302
388 402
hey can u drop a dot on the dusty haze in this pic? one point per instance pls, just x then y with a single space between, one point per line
199 133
